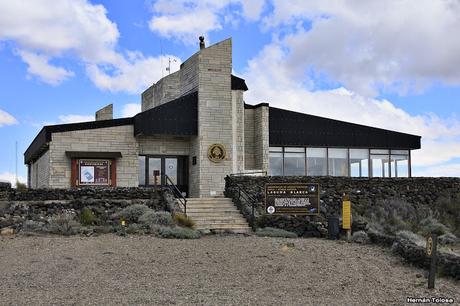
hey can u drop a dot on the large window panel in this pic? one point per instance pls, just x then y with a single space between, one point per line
380 165
338 162
275 166
359 162
141 170
399 165
316 161
294 161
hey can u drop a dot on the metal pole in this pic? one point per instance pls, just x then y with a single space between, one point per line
16 162
434 258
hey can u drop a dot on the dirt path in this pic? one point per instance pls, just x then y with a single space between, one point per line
215 270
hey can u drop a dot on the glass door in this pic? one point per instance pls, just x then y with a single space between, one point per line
171 169
154 170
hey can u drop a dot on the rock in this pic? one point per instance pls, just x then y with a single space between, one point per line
360 237
7 231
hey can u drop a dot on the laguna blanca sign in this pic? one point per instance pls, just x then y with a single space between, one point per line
294 199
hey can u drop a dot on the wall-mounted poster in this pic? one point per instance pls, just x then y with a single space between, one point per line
94 172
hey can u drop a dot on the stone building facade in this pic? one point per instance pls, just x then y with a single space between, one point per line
196 128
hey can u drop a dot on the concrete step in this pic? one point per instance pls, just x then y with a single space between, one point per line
211 214
235 230
220 221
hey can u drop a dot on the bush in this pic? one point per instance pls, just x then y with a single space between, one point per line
87 217
408 235
275 232
448 238
133 212
184 221
63 224
178 233
134 228
431 225
163 218
21 186
360 237
33 226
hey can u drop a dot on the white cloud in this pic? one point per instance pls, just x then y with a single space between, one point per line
11 177
186 20
6 119
395 46
39 66
75 118
448 170
131 109
269 79
76 29
132 75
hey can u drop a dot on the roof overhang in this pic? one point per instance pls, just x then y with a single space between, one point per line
288 128
86 154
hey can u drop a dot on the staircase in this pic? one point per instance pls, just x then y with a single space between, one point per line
216 215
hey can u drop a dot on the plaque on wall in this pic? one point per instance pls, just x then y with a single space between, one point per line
292 199
216 153
94 172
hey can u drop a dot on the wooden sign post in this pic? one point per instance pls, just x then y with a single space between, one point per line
346 216
431 251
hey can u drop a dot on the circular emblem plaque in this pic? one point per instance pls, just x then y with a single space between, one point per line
271 209
216 153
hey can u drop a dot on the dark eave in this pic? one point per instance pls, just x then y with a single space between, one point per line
288 128
86 154
238 83
41 142
178 117
249 106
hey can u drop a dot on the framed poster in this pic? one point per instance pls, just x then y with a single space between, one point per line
94 172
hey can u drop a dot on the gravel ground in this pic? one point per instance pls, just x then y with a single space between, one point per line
214 270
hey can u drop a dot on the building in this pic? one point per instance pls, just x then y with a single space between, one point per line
196 128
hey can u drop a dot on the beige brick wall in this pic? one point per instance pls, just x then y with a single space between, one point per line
238 131
249 162
40 172
163 145
173 86
261 138
214 115
113 139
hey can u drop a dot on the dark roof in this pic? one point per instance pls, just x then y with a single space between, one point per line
177 117
249 106
288 128
40 143
238 83
86 154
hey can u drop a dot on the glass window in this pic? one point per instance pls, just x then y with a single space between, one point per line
275 166
380 165
380 151
292 149
276 149
294 163
316 161
359 162
400 165
141 170
400 152
338 164
171 169
154 171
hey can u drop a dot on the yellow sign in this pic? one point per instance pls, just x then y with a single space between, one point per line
429 246
346 215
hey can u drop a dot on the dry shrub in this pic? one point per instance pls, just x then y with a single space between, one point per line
184 221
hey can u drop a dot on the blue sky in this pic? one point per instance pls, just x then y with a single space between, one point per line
390 64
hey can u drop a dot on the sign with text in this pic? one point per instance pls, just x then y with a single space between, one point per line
292 199
94 172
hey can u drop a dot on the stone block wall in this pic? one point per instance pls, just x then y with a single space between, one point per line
261 138
40 172
238 131
163 145
214 115
114 139
249 162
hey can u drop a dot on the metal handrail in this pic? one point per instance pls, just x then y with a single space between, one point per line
176 192
243 193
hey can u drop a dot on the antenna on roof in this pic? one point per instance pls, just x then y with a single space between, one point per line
169 64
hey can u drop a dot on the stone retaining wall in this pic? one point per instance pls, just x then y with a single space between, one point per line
40 205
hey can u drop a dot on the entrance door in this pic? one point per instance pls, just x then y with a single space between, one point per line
175 167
